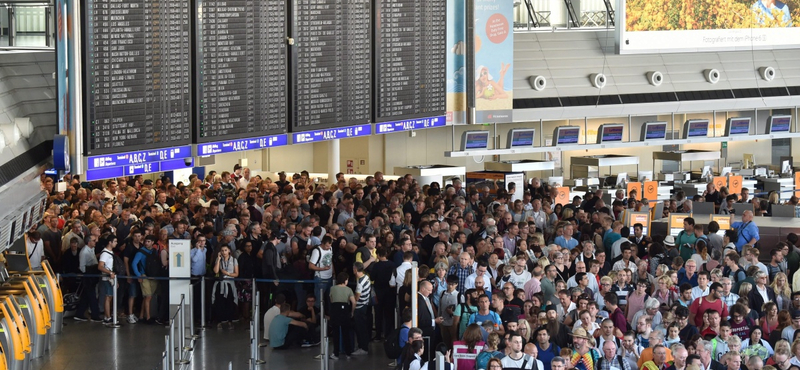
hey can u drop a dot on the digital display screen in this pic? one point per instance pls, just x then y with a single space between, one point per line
724 221
696 128
476 140
567 135
611 133
739 126
780 123
655 131
522 138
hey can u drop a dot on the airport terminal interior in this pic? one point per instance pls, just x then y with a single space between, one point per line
336 184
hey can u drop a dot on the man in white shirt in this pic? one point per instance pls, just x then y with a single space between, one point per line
517 359
321 262
520 275
480 273
88 260
581 267
701 290
400 272
626 261
35 249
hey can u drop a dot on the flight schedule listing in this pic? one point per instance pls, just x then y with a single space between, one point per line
411 47
242 88
333 64
137 61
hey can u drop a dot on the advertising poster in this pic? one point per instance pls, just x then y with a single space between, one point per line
682 25
62 35
456 63
494 56
492 180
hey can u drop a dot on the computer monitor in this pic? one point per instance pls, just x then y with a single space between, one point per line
658 211
610 133
695 128
654 131
475 140
724 222
778 124
703 208
783 211
676 221
521 138
737 126
565 135
739 208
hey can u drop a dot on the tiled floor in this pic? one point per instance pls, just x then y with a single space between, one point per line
86 345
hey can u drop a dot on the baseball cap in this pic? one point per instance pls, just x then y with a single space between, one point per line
148 182
796 314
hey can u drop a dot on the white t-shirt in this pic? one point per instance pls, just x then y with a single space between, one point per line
107 257
519 280
35 254
509 363
271 313
323 260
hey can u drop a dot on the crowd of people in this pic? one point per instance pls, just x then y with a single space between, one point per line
505 278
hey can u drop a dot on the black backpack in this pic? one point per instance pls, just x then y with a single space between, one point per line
119 266
152 263
392 344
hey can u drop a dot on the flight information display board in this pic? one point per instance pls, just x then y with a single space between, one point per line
241 60
137 75
410 44
332 63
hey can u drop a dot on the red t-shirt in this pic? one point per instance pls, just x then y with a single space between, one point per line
700 305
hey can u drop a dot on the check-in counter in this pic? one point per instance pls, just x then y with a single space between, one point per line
17 340
33 304
47 281
771 230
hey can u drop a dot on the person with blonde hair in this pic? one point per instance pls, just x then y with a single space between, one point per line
783 291
524 329
489 352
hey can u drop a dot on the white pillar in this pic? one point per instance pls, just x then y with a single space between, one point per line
334 162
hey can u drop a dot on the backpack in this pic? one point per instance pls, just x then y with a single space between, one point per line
392 344
118 267
152 263
466 311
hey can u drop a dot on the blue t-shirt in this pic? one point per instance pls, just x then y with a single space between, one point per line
563 243
477 318
278 330
547 355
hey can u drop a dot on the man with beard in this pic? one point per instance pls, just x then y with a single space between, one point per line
558 332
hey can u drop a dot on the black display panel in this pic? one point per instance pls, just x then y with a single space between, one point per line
331 63
410 58
137 75
241 60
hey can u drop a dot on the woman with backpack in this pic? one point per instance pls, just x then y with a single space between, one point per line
224 295
489 352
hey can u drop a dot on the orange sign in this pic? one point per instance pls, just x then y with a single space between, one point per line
635 186
797 184
736 184
724 221
651 190
563 196
720 181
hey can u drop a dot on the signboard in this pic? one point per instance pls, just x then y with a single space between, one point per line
659 26
179 267
456 62
651 190
241 59
494 56
797 184
724 221
231 146
635 186
331 134
720 181
137 68
138 163
736 184
643 218
409 125
332 65
410 53
563 196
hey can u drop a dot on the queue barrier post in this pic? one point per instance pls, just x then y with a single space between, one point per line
171 346
202 303
114 323
182 332
192 333
165 355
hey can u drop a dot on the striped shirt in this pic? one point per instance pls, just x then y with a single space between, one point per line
364 291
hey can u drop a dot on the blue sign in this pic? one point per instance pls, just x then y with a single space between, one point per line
140 157
332 134
105 173
242 145
409 125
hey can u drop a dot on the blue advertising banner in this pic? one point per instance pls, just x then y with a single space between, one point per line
456 61
494 56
